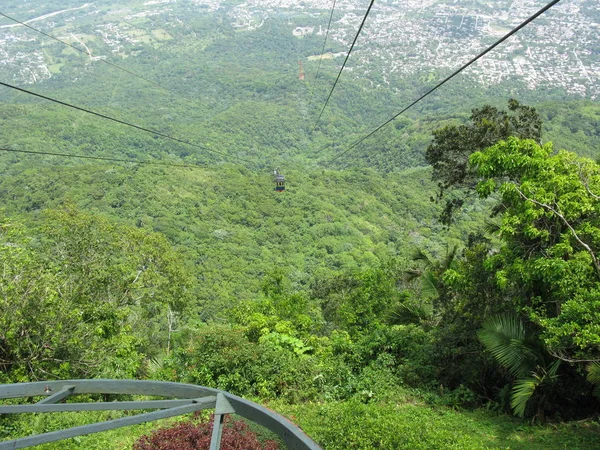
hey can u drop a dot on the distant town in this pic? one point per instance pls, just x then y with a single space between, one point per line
560 50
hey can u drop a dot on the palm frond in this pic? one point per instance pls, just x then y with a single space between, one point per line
504 337
593 377
450 257
553 370
420 255
429 284
492 227
155 364
593 371
411 274
409 312
521 393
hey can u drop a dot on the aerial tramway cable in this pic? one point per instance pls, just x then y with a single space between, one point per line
100 158
345 60
321 57
448 78
122 122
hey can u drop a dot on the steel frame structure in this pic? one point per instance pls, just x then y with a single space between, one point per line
183 399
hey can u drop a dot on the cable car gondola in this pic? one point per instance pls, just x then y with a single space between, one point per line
279 181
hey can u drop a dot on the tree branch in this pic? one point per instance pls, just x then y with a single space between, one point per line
584 181
563 357
569 226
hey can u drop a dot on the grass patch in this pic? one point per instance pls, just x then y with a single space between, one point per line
355 425
55 68
161 34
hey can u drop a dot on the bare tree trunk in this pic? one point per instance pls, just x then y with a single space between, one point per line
171 325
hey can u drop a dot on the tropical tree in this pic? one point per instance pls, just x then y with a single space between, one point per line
470 296
452 146
429 270
551 230
87 298
358 302
425 285
29 345
543 270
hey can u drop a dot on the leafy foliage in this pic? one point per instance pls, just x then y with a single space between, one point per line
594 377
222 357
452 145
352 424
75 300
551 230
504 337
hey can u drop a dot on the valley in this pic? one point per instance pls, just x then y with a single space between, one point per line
433 286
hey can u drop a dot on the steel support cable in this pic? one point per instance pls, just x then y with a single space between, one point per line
345 60
122 122
321 57
89 54
448 78
100 158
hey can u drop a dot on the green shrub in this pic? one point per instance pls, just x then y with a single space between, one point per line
279 366
411 348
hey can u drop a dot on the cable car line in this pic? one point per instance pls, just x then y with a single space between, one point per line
101 158
122 122
345 60
89 54
321 57
448 78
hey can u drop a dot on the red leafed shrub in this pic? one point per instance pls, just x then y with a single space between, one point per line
196 436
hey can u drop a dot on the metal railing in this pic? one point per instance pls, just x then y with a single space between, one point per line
183 399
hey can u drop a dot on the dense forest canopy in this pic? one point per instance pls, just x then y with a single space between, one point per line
450 261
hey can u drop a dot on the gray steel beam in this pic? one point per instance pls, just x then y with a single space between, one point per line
209 402
103 386
217 432
221 408
293 437
57 396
